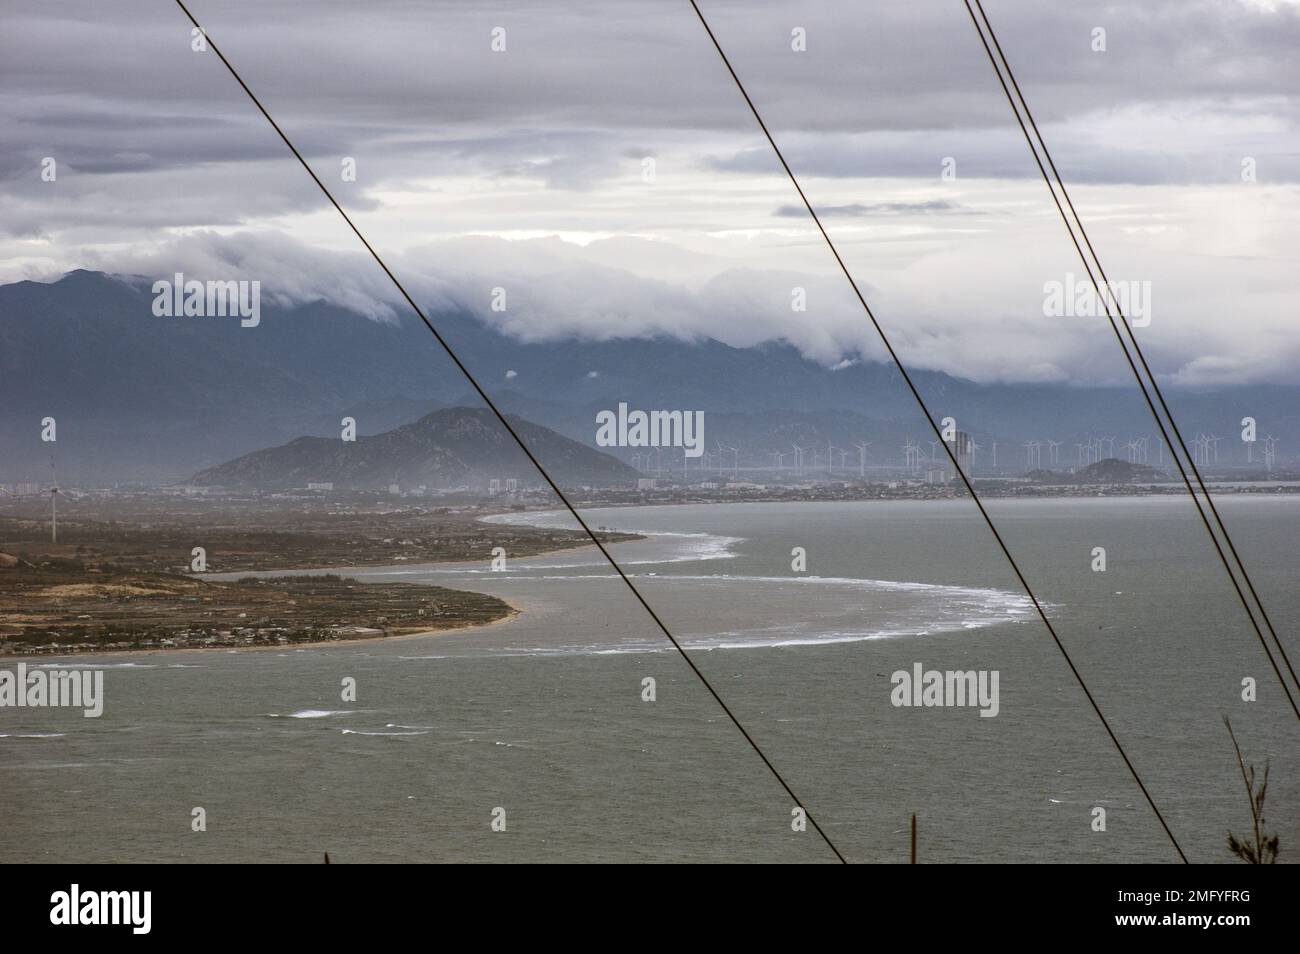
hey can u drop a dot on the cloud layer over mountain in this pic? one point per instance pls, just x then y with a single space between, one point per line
604 171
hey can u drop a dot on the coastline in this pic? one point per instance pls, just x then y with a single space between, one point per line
514 613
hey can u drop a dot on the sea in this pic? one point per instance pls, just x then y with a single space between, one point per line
577 731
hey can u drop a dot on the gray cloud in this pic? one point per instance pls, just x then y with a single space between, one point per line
558 291
410 79
862 209
468 159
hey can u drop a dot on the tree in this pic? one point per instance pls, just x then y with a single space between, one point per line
1263 849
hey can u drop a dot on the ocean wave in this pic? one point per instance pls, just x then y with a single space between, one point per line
690 546
311 713
948 609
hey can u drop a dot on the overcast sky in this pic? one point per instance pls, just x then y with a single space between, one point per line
525 168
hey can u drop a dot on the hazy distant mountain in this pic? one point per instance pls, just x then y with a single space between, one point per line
454 447
1115 471
1111 470
138 396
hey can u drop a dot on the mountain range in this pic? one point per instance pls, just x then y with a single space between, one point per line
140 397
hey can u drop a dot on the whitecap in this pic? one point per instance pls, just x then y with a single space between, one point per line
311 713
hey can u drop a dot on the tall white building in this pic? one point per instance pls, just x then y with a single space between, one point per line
962 449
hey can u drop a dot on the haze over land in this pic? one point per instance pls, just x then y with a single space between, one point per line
142 397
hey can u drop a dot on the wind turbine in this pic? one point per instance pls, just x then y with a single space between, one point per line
54 493
798 460
1270 452
54 503
1199 449
862 458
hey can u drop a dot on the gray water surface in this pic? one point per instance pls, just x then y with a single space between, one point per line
543 715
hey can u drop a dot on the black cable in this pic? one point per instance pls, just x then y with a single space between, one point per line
1115 326
938 433
522 446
